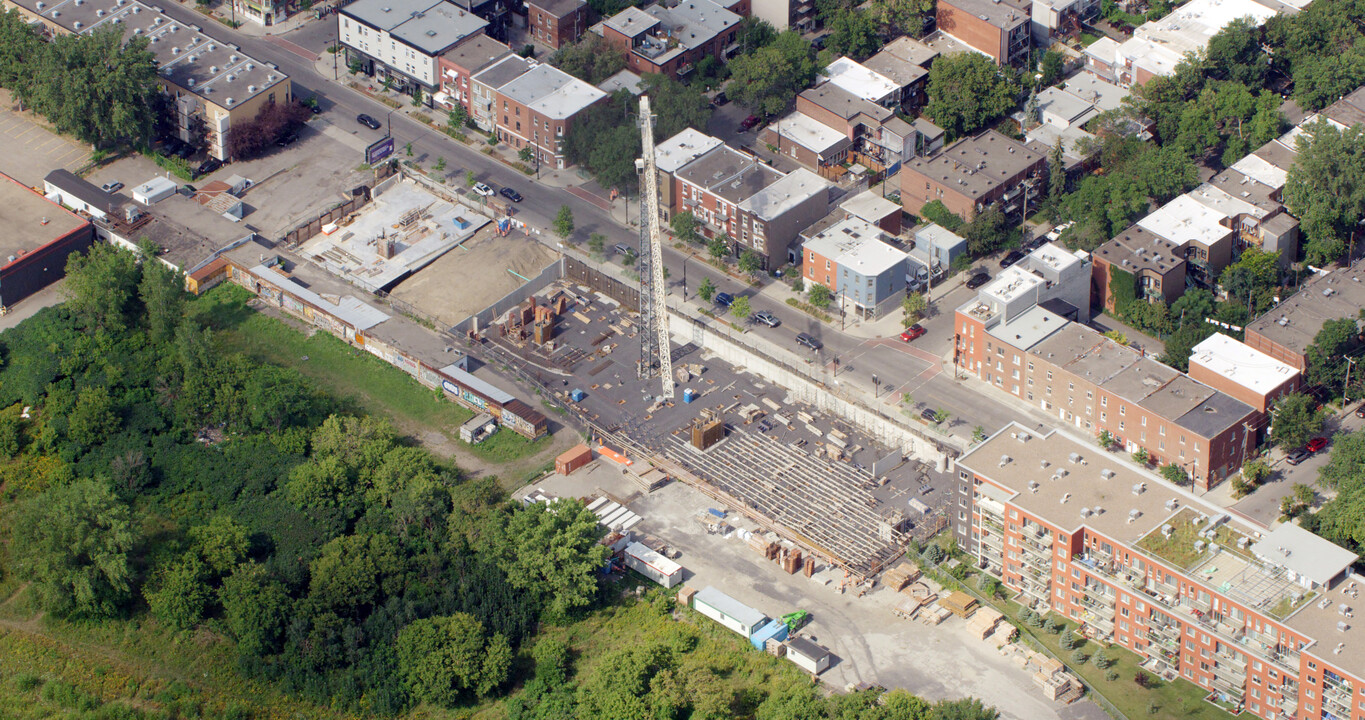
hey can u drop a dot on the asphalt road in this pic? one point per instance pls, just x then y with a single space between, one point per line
897 370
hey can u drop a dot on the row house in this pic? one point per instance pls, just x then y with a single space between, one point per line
671 40
401 40
556 23
1097 385
460 64
1287 330
536 109
1157 47
975 173
734 194
211 85
797 15
999 30
867 276
1260 619
669 157
906 62
1245 373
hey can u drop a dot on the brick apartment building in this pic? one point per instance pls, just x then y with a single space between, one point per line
1243 372
460 64
400 40
1286 330
537 108
866 275
1156 265
556 23
998 30
670 156
671 40
732 193
973 174
1091 382
1259 619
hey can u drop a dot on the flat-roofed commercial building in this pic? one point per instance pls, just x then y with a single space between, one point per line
211 84
1258 618
401 40
39 236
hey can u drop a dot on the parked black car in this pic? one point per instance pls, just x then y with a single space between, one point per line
809 341
977 280
367 121
1011 258
208 166
510 194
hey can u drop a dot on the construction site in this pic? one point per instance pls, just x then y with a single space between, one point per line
806 475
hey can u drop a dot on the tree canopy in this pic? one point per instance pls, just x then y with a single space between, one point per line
1296 420
767 79
1325 188
968 92
591 59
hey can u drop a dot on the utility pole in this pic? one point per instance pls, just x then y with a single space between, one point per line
1346 386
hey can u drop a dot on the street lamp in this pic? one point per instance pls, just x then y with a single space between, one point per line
684 274
876 386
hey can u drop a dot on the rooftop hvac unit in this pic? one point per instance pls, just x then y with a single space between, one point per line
1106 473
1043 464
1085 512
1098 510
1199 546
1134 514
1167 530
1074 458
1170 504
1139 488
1004 460
1065 497
1033 486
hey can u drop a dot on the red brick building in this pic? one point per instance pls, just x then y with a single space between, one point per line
537 109
556 22
996 28
1243 372
1259 619
671 40
463 62
973 174
1156 265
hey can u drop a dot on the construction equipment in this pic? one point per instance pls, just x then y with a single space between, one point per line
795 620
655 357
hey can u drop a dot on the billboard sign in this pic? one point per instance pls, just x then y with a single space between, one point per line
379 150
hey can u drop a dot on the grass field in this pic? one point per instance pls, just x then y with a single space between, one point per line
350 374
1179 700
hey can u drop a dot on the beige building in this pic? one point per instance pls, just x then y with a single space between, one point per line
212 85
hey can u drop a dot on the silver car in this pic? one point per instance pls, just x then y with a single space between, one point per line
767 318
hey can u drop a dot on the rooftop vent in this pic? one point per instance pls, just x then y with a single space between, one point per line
1065 497
191 82
1139 488
1170 504
78 24
99 13
233 58
228 102
251 88
213 69
1074 458
1033 486
1199 546
1098 510
1043 464
1004 460
1085 512
41 5
1106 473
1283 321
1134 514
1167 530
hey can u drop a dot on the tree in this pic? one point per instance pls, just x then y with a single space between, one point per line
1174 474
1141 456
1325 188
162 293
1107 440
221 544
852 32
964 709
100 285
706 290
1235 53
606 142
73 542
564 221
255 607
978 435
933 554
551 552
767 79
597 243
95 86
1327 355
1056 173
1102 660
819 296
1253 280
354 572
967 92
740 308
987 232
183 594
456 118
685 227
591 60
754 33
750 263
936 212
899 17
273 122
718 246
93 418
941 416
445 659
677 106
1051 67
913 308
1296 420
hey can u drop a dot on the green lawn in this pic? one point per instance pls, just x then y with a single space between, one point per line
1087 39
349 373
1179 547
1179 700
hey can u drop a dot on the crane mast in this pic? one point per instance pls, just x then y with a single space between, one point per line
655 356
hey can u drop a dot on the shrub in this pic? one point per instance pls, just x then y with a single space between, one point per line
23 682
1079 657
1112 675
1142 679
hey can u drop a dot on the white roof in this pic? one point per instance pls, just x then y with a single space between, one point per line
841 237
652 559
860 81
551 92
1255 167
1070 109
1054 256
1070 137
1304 553
869 206
350 310
1096 90
1160 45
772 201
872 258
938 236
1105 50
1224 203
808 132
1242 364
1183 220
683 148
1012 282
729 606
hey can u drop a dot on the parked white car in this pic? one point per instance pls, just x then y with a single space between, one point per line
483 190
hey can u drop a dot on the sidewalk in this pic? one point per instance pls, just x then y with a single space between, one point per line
249 26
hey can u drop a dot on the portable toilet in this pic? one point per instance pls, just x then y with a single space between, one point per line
689 395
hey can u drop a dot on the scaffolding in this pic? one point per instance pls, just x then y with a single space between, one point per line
655 359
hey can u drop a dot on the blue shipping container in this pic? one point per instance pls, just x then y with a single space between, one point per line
774 630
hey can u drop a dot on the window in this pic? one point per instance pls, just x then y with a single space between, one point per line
1071 386
1122 410
1030 366
1104 401
1089 395
1049 374
1103 417
1120 426
1016 359
1144 421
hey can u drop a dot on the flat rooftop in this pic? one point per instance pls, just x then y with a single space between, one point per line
1066 106
872 258
503 71
1011 283
1232 193
1029 327
218 73
1214 415
845 104
1185 220
776 198
911 50
477 53
861 81
729 173
1332 295
1341 640
899 70
683 148
1261 170
1096 90
551 92
1000 14
1053 256
1136 249
421 225
977 165
31 220
869 206
1242 364
809 133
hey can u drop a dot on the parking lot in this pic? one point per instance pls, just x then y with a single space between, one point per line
29 151
871 644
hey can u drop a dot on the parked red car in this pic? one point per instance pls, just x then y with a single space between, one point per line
1316 444
750 123
912 332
